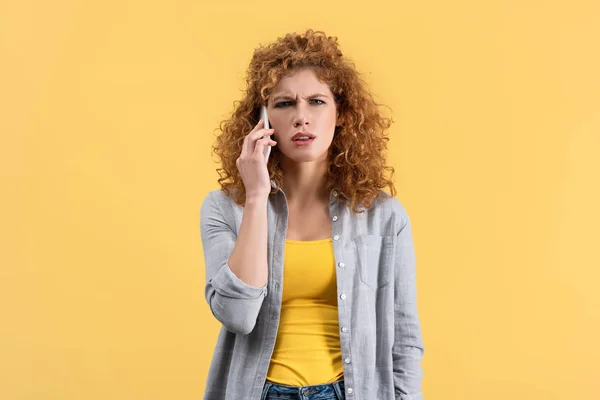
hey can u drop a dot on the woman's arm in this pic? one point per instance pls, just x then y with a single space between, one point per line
408 350
236 266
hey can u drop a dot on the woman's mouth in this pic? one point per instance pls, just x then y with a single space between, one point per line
304 142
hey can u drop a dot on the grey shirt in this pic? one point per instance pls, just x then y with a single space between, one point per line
380 332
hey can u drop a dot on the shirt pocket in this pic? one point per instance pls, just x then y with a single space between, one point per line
375 259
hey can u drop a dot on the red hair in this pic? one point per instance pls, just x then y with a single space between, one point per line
357 164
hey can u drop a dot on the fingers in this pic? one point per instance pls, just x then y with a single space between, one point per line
246 149
261 143
257 133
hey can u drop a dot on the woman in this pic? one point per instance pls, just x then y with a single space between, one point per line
310 266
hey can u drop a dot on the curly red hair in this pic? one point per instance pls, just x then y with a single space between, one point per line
357 165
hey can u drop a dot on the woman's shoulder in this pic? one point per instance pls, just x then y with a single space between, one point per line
217 196
387 202
387 207
214 202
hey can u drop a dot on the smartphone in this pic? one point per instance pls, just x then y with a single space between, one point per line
264 116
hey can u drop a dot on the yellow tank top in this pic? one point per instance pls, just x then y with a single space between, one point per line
307 350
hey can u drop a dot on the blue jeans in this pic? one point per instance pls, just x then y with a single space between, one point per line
326 391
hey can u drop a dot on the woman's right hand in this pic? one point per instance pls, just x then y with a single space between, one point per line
251 162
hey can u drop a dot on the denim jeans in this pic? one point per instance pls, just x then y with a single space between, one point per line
326 391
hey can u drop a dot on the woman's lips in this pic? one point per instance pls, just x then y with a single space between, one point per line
299 142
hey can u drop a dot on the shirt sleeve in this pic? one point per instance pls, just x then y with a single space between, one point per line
233 302
408 350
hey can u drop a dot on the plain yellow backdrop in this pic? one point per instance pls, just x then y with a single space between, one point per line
108 110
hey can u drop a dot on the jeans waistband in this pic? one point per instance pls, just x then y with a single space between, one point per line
304 392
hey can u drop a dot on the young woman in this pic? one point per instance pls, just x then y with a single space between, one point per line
310 265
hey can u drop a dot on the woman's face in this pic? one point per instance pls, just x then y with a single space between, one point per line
301 103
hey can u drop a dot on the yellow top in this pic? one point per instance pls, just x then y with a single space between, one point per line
307 350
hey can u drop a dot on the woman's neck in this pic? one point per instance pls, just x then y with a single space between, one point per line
305 184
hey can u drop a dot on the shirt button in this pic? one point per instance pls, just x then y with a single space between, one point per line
335 218
336 237
347 361
344 329
350 390
343 296
341 265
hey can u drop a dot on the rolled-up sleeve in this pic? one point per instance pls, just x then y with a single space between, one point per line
408 349
233 303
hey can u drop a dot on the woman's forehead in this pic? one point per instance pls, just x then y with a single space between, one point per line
303 83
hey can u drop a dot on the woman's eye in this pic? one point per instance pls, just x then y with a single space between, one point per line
282 104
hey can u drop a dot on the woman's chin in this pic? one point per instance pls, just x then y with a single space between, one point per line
301 157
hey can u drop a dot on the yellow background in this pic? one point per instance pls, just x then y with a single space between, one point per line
108 110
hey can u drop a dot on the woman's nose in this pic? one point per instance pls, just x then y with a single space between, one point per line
300 121
302 115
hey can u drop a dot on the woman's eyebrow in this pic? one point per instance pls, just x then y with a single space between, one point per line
289 96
